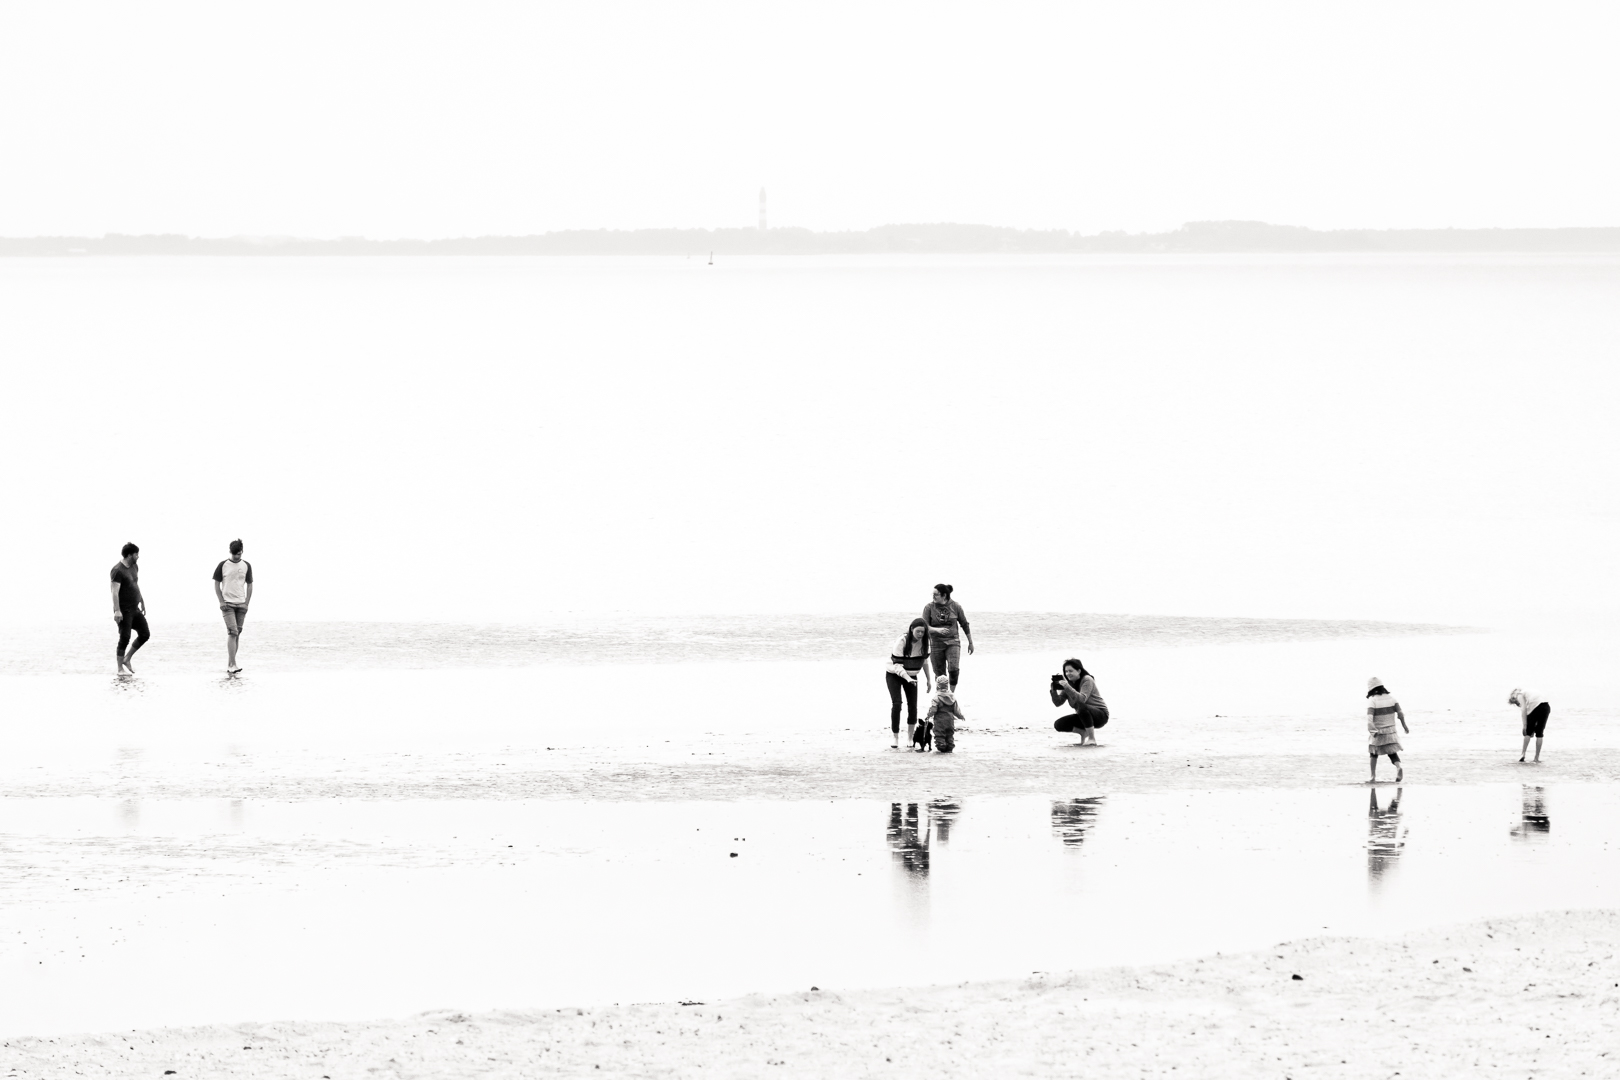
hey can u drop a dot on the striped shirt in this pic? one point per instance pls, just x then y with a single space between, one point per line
1381 713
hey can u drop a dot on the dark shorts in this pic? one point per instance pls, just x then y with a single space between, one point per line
235 617
132 621
1536 723
944 656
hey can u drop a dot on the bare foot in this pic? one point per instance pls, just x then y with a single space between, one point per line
1400 774
1521 761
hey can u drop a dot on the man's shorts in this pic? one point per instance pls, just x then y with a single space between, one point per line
1536 723
944 656
235 617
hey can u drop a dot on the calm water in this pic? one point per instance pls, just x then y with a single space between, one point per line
351 909
542 478
643 639
493 440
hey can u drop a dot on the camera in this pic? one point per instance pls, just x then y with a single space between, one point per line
1057 681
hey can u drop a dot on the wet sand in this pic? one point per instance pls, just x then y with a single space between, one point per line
1530 996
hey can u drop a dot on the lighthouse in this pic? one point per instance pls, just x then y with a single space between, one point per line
761 209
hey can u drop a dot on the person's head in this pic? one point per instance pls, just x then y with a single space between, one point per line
942 594
942 687
131 553
236 548
1375 685
1074 670
918 630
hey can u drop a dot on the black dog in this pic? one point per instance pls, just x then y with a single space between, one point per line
923 737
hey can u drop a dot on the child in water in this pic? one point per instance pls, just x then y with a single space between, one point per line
1382 712
943 713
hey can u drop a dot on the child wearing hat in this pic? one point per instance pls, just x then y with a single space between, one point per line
1382 712
943 714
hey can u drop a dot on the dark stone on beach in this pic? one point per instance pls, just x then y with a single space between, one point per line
733 854
1298 978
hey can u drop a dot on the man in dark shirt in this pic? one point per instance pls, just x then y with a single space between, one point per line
129 608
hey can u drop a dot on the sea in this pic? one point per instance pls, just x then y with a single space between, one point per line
574 580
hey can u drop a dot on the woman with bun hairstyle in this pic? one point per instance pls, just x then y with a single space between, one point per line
1078 690
908 656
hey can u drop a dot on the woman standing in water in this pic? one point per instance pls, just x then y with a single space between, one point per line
1078 690
908 656
942 616
1382 711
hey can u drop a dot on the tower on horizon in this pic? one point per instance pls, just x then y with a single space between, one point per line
761 209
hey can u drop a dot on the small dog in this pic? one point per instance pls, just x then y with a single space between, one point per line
923 737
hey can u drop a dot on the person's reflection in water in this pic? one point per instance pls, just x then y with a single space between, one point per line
1073 820
942 815
1533 818
1385 835
910 846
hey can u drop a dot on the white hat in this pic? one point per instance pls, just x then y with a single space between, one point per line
1374 683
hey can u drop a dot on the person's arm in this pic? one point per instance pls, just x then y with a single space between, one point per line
219 578
1403 717
1083 693
961 617
1059 698
118 612
249 599
219 594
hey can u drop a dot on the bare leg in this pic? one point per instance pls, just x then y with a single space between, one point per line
1400 772
1088 735
911 735
1372 766
1525 748
230 650
1538 747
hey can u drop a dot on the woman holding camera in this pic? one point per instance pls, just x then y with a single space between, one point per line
1076 689
908 656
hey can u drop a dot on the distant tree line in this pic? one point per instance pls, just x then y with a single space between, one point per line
943 239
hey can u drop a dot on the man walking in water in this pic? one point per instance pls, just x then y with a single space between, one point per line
129 607
942 617
233 585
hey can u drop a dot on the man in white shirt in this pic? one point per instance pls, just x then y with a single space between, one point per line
233 585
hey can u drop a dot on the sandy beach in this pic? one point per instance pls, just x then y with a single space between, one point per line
1535 997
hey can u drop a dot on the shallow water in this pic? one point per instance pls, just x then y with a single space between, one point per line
508 440
136 913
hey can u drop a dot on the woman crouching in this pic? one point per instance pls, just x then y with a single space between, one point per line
1076 689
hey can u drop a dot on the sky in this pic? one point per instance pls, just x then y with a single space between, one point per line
407 119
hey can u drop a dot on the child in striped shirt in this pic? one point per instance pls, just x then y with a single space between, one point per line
1382 712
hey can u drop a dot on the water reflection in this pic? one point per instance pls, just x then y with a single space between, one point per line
1073 820
1533 818
911 826
907 840
1386 836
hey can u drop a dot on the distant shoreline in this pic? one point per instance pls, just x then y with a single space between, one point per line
1201 237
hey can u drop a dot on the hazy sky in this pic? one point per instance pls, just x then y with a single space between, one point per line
436 119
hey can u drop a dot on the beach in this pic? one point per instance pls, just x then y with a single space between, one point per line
323 854
1535 996
563 698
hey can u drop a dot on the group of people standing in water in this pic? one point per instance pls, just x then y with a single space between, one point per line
932 647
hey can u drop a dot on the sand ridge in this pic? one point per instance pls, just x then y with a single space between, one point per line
1535 997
